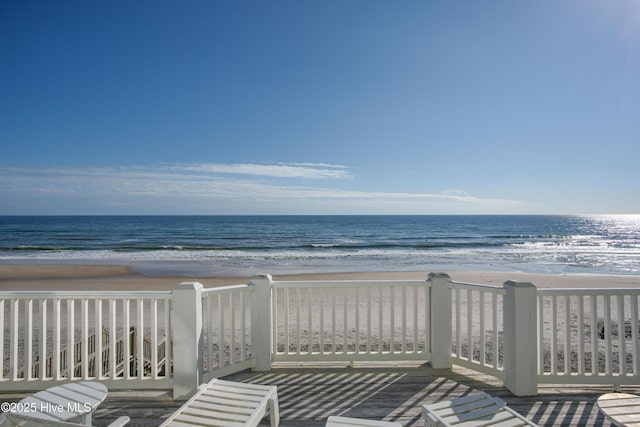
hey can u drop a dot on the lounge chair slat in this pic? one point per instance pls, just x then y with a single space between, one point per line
497 418
221 415
232 403
474 410
227 404
222 406
358 422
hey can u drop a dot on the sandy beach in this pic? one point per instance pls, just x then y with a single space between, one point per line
105 277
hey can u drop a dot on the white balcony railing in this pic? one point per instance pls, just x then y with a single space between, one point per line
350 321
114 337
226 329
478 326
588 336
177 339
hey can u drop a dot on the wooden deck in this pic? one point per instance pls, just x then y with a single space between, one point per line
308 396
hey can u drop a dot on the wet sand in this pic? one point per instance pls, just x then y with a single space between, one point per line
53 277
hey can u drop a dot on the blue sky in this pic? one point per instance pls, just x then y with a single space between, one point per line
319 107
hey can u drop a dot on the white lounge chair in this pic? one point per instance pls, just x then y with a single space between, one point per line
15 420
358 422
620 408
474 409
228 403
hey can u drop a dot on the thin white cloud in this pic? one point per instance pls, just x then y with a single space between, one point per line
455 192
229 188
284 170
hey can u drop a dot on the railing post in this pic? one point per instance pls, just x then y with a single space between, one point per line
440 322
261 321
520 338
187 338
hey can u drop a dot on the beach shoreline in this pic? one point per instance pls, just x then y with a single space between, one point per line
69 277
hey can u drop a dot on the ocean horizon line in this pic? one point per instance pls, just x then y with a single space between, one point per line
323 215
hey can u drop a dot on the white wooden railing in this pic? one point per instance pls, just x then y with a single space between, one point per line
588 336
560 336
126 340
350 321
522 335
120 338
226 329
478 331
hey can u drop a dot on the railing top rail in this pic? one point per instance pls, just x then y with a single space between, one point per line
587 291
489 288
226 289
85 294
348 283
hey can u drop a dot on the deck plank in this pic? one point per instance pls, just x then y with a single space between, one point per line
308 396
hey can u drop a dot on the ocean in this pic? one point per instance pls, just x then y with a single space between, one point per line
246 245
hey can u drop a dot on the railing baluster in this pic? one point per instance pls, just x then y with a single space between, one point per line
322 321
494 314
427 316
404 319
579 325
622 348
458 306
126 331
469 325
139 356
345 322
380 320
243 323
634 333
287 311
357 321
298 322
84 363
232 314
276 325
415 320
28 336
607 334
209 326
55 365
369 336
333 320
483 355
392 320
2 340
310 320
221 360
594 335
13 338
541 334
97 330
168 338
554 335
153 312
567 335
70 339
113 338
